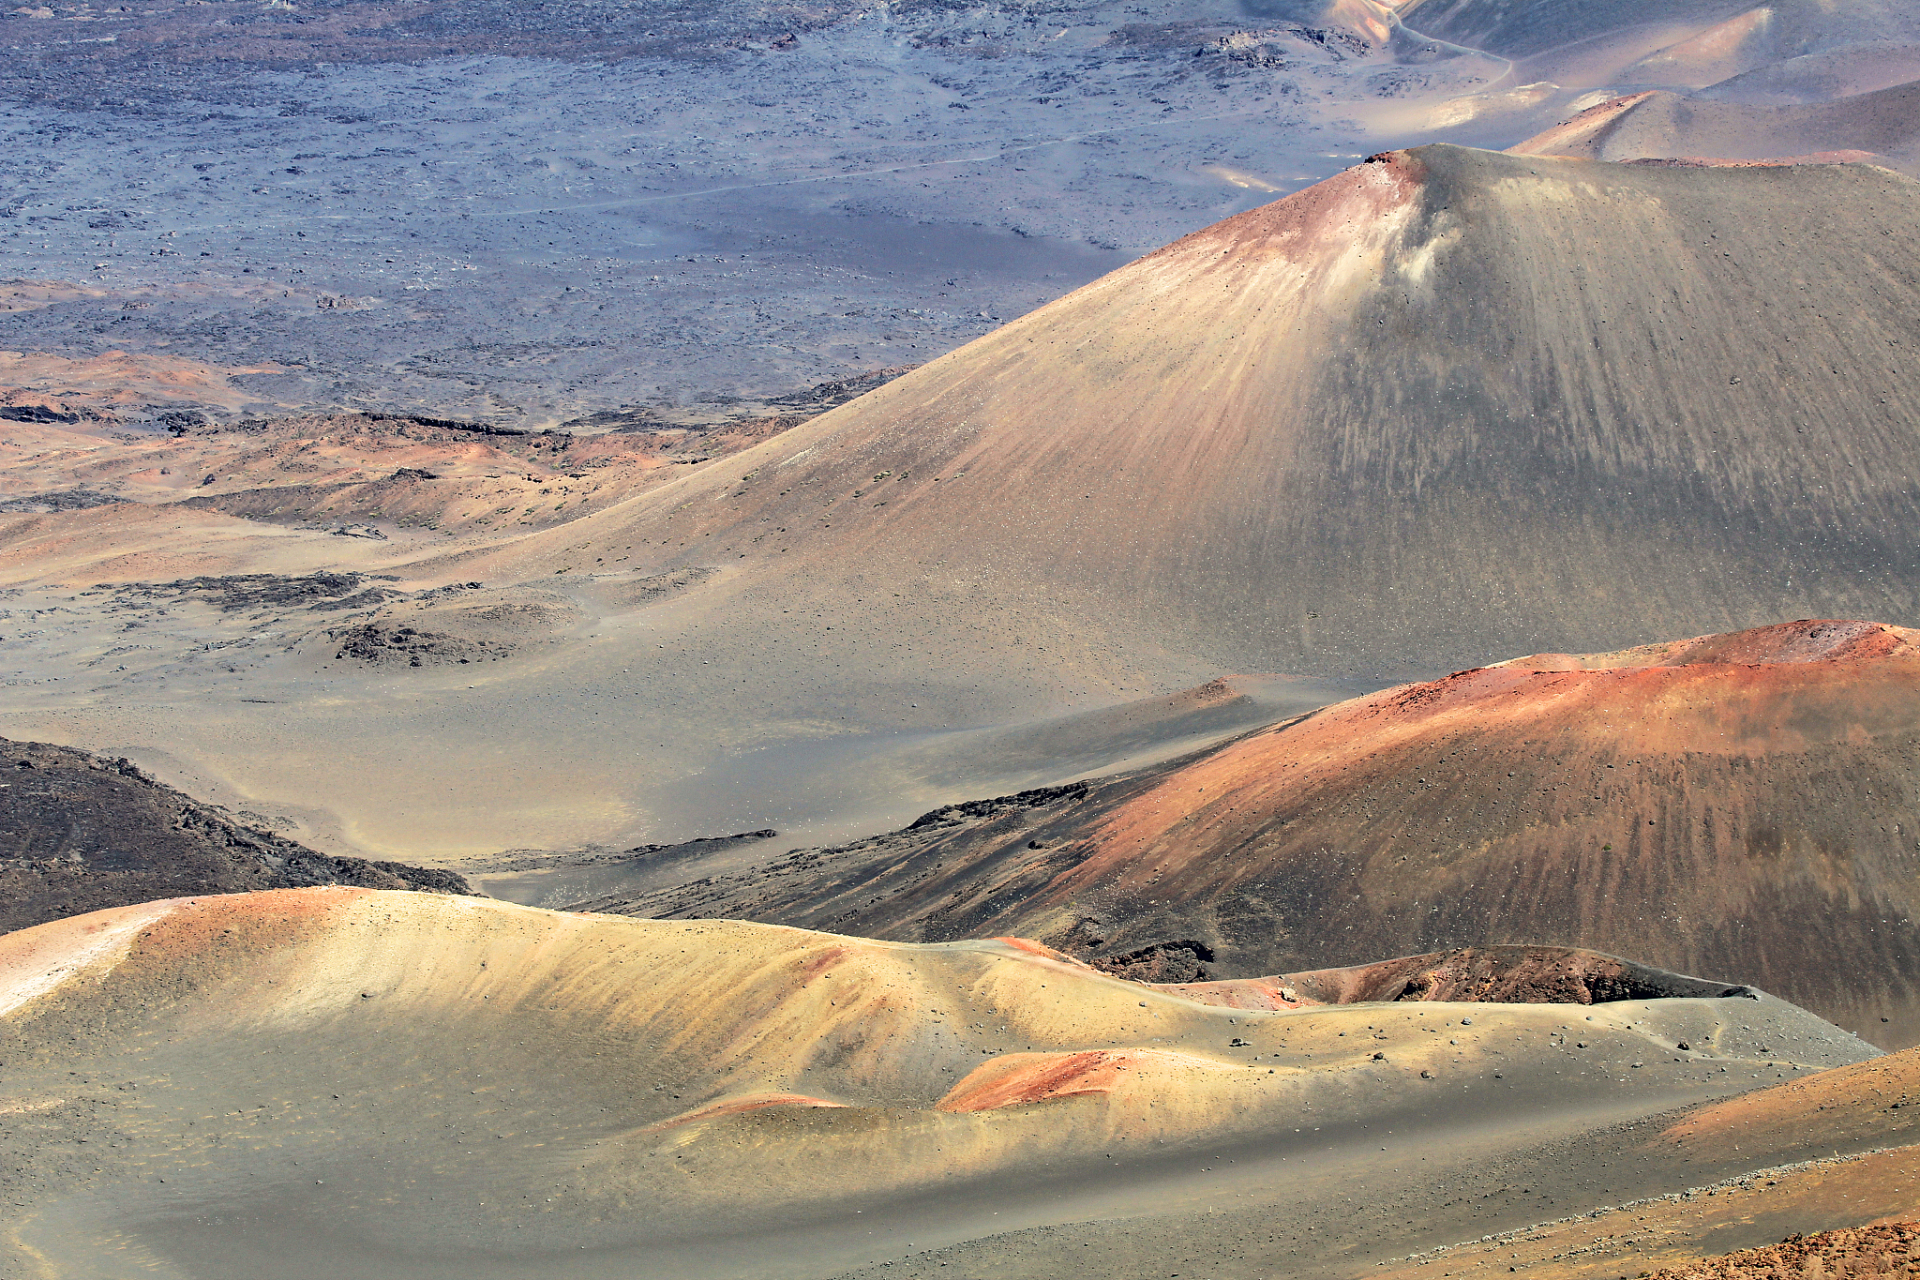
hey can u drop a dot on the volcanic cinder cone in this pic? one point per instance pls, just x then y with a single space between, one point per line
1448 405
1743 807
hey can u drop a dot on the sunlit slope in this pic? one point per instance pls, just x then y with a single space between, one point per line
1883 125
1851 1108
1515 28
400 1084
1443 409
1446 406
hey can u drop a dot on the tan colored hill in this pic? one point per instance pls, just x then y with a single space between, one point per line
371 473
1741 807
1781 1197
1882 126
355 1084
1445 400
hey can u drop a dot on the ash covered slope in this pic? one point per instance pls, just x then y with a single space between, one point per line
79 834
1743 806
404 1085
1446 406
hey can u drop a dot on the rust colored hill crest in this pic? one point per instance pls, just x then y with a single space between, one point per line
1745 807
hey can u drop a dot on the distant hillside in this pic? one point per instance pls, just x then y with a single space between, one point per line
1883 126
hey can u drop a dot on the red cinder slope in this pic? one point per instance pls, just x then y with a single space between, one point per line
1748 813
1743 807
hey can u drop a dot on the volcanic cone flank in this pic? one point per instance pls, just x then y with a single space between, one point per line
1449 403
1743 807
79 833
1750 820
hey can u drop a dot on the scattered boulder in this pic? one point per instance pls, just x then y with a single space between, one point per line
1169 962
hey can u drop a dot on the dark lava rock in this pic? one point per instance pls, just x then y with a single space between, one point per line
235 593
396 644
1182 961
65 500
80 833
34 413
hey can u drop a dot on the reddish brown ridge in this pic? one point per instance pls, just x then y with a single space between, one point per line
1717 816
1017 1078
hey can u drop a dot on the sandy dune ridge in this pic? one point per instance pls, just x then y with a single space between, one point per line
407 1080
1447 406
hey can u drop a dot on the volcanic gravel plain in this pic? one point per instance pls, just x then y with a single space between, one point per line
1205 639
